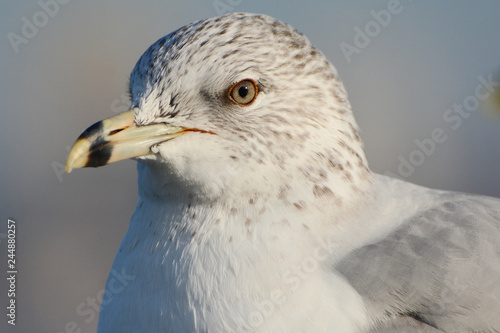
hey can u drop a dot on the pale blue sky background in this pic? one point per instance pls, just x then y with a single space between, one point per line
74 72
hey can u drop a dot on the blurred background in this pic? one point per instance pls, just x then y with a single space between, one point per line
415 73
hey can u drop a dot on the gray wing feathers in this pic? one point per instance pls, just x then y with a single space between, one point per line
441 267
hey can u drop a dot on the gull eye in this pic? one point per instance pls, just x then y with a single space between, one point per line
244 92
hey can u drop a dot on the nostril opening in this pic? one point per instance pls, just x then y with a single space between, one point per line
116 131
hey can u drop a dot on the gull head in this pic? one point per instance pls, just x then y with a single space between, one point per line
233 106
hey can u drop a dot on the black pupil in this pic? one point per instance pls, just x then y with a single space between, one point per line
243 91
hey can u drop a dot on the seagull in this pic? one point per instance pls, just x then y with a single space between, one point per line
258 211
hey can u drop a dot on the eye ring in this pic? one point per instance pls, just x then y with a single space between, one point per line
243 92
